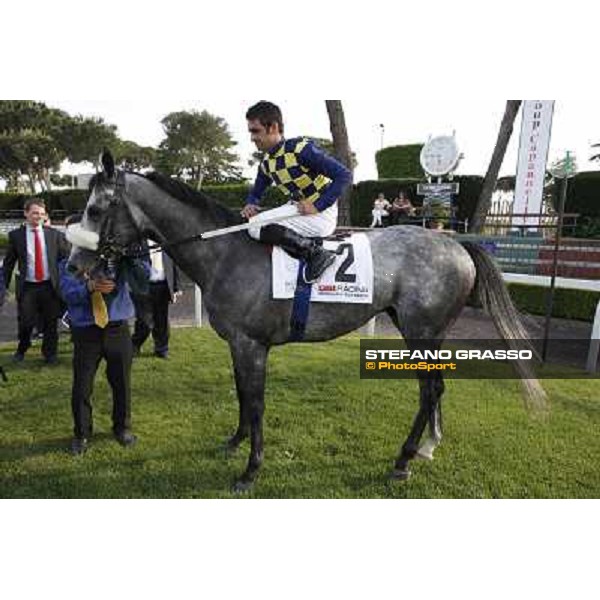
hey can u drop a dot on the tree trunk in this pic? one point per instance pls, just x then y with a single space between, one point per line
341 145
31 179
491 177
46 177
200 177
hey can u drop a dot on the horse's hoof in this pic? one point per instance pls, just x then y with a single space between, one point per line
242 487
400 474
423 454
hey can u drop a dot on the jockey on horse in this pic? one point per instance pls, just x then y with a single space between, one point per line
312 179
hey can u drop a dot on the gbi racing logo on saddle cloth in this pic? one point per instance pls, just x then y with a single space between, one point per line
348 280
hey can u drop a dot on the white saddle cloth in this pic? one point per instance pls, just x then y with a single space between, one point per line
349 279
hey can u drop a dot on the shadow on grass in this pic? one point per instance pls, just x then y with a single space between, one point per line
17 451
11 452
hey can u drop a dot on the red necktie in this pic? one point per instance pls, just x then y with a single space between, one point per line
39 258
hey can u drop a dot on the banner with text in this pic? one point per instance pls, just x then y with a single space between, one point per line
531 164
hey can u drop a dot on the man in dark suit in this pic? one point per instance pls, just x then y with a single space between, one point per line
152 310
36 250
2 297
2 286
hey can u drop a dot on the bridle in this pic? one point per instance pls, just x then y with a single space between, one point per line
109 246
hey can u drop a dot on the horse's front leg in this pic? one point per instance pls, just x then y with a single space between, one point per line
243 430
249 363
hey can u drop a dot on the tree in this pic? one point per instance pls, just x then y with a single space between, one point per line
83 138
491 177
134 157
197 146
30 141
341 145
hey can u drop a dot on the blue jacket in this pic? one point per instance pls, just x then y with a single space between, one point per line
120 306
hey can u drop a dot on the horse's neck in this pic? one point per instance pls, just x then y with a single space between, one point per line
171 220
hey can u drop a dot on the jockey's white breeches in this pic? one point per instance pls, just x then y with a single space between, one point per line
322 224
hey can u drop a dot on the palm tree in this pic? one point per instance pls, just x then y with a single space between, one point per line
491 177
341 146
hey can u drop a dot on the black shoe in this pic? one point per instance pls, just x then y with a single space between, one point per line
319 261
161 353
51 360
78 446
18 357
317 258
125 438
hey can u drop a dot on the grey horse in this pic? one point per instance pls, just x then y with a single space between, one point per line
422 279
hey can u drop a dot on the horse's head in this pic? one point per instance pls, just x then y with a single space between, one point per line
107 230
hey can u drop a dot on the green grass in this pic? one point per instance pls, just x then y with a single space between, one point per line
327 433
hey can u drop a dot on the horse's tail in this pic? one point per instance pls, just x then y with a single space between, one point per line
491 291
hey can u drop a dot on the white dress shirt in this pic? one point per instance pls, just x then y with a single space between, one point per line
157 270
31 253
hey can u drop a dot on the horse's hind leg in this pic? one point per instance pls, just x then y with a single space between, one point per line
431 388
249 361
427 448
411 445
430 413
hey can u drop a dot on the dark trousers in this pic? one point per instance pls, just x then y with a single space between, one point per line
90 346
152 316
38 302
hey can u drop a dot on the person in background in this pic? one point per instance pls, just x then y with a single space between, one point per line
380 206
2 286
36 250
2 299
401 210
152 310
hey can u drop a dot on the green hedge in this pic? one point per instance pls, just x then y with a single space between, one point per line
400 162
568 304
75 200
583 194
69 200
588 227
3 240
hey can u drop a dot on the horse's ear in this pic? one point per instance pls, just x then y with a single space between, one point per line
108 163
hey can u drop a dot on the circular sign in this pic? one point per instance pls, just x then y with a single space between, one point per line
440 156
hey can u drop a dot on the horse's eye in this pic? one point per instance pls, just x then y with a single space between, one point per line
94 213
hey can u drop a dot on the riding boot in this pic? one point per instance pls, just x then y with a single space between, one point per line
297 246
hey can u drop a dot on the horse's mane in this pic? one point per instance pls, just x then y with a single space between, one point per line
193 198
182 192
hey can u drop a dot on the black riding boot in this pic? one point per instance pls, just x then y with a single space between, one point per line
297 246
